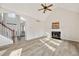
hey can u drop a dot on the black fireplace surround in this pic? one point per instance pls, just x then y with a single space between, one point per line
56 34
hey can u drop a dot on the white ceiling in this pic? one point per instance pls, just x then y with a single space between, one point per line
32 8
27 6
69 6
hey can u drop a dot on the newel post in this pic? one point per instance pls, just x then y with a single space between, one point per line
13 37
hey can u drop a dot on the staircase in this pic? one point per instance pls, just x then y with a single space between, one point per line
7 35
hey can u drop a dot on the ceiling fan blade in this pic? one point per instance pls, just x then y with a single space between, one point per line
44 11
49 9
45 4
42 5
50 5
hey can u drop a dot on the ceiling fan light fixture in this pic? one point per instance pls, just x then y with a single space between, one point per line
45 7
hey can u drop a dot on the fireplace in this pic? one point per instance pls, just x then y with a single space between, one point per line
56 34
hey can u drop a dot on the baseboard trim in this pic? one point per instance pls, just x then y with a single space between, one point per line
38 37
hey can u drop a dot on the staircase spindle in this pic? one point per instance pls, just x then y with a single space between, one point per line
6 31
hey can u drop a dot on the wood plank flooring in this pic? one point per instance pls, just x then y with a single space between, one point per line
42 47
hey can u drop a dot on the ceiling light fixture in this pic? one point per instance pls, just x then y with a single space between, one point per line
45 7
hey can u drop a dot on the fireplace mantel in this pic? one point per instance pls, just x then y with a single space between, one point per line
55 30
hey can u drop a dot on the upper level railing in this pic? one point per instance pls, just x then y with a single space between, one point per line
7 32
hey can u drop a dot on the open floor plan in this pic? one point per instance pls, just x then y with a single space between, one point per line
39 29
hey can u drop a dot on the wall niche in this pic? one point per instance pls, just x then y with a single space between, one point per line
55 25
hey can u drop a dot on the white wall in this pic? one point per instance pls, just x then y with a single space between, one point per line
33 29
69 22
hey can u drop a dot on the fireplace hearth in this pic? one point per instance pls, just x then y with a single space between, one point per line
56 34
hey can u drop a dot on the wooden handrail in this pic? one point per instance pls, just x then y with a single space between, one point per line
6 26
13 32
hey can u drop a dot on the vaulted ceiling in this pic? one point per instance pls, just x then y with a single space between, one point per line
31 9
28 6
69 6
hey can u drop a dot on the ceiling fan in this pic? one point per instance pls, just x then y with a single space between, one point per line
45 7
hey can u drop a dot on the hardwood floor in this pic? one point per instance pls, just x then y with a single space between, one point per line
42 47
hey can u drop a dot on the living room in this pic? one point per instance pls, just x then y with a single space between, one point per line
45 23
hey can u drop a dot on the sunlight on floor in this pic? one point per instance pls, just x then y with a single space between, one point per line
57 40
56 43
50 47
16 52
